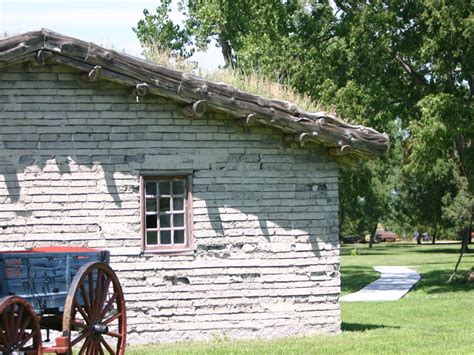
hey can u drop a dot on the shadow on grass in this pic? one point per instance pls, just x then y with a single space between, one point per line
441 250
359 327
354 278
380 248
364 250
436 281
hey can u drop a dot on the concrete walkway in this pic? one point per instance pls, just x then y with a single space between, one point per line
394 283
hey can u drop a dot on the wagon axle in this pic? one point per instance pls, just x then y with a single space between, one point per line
100 329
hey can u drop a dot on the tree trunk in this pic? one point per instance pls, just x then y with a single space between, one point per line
227 53
372 236
470 225
469 232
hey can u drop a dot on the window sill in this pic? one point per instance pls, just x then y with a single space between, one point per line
169 252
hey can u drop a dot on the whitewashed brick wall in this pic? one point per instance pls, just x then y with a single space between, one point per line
265 210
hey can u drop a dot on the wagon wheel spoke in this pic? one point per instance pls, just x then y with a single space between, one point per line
85 297
84 346
105 293
111 319
107 346
3 340
26 339
6 328
99 347
109 305
24 324
18 319
114 334
81 311
11 323
90 277
98 291
81 325
92 348
79 338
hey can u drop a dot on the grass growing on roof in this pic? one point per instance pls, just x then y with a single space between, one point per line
434 318
254 83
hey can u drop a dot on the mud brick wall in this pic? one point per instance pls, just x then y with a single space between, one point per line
266 259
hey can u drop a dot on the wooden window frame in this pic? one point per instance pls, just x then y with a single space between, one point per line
180 249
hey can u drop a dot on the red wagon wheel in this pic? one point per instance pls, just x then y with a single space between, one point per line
19 327
94 313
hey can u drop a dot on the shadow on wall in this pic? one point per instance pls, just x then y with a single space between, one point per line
37 164
263 220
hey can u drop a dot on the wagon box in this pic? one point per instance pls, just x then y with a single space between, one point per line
43 276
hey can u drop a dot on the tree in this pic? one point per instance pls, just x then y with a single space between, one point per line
402 66
158 31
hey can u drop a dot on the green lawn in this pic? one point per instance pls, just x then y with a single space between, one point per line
434 318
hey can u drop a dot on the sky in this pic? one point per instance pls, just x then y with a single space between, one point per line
104 22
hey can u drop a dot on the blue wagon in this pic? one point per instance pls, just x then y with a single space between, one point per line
72 291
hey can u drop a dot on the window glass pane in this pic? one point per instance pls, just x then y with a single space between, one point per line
151 221
165 237
178 204
164 188
164 204
178 187
179 236
150 188
178 220
151 205
151 238
165 221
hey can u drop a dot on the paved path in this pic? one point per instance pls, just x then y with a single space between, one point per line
394 283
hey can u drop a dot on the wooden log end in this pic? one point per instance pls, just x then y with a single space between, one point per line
251 119
42 57
197 109
141 89
94 74
343 149
303 137
108 56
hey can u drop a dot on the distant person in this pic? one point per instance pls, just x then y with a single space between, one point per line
417 237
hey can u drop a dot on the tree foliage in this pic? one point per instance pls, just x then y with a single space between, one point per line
401 66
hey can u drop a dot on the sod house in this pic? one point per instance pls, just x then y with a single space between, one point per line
219 207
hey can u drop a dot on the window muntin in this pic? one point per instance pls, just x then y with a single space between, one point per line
165 206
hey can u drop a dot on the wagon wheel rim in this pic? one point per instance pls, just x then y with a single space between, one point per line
19 327
94 314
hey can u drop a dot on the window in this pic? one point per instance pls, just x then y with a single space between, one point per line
166 213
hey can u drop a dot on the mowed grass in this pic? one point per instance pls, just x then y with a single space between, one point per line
434 318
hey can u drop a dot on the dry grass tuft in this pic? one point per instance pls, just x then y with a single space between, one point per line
254 83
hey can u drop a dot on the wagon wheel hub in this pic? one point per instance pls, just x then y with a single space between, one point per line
100 329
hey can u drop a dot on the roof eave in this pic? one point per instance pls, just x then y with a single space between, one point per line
352 141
